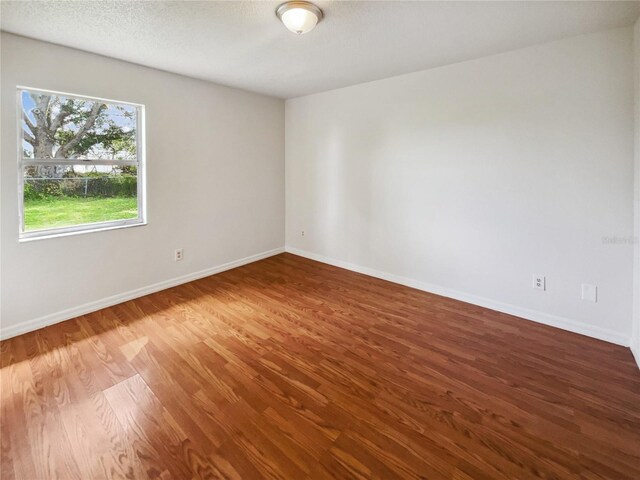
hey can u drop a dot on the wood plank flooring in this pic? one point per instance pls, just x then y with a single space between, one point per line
291 369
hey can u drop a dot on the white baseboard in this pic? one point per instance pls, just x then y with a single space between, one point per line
533 315
540 317
635 349
37 323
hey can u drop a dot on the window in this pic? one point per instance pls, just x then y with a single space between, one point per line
81 164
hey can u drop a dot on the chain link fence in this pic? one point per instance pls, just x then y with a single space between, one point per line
86 186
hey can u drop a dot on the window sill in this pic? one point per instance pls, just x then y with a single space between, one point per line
70 231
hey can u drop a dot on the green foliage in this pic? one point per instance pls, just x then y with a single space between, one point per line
78 128
129 170
30 192
102 186
88 186
41 190
105 135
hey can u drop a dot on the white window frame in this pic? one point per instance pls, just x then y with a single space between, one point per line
140 163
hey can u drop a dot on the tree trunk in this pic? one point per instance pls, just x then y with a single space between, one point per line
44 132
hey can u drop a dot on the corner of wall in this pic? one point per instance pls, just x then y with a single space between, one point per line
635 339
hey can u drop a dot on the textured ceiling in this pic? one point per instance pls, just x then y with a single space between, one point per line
242 44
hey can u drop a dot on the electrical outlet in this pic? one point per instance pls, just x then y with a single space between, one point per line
302 233
178 255
539 282
589 293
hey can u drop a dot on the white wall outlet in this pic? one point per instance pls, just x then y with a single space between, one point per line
539 282
302 233
178 255
589 293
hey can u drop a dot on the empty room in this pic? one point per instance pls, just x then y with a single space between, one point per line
319 240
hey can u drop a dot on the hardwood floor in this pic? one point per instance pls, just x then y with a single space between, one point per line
288 368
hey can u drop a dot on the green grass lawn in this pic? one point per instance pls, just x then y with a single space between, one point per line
66 211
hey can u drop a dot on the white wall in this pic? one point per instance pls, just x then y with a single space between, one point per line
635 342
215 182
468 179
464 180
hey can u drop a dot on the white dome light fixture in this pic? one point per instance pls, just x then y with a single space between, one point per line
299 17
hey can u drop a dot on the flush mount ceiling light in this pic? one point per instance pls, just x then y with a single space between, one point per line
299 17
